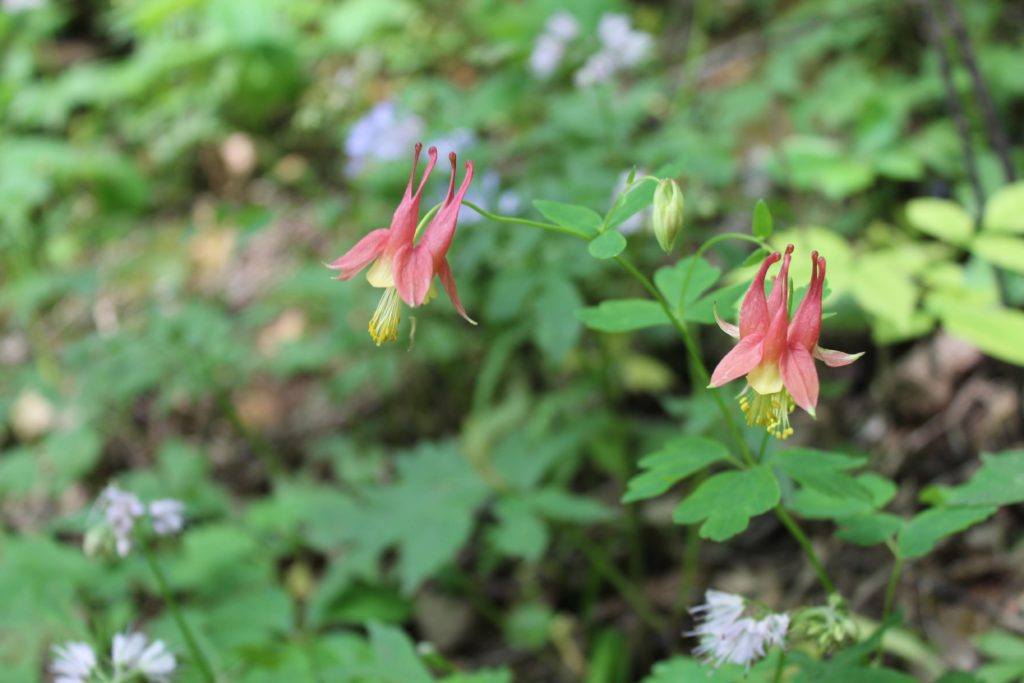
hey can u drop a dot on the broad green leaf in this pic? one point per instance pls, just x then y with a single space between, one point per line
636 199
725 300
822 471
528 625
395 656
814 504
556 330
609 657
519 531
607 245
562 506
623 315
677 459
762 223
357 21
670 279
727 501
887 292
999 481
1001 645
581 220
1000 250
1004 210
922 533
869 529
942 219
996 330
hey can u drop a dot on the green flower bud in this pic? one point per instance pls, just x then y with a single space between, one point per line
668 213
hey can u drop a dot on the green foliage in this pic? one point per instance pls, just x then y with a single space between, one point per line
726 502
674 462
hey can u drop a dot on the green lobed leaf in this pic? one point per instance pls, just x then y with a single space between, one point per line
1004 210
823 471
623 315
999 481
762 222
607 245
556 330
676 460
814 504
579 219
942 219
1004 251
996 330
669 280
726 502
869 529
922 533
395 656
636 199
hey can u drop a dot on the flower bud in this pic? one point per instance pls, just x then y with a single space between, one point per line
668 213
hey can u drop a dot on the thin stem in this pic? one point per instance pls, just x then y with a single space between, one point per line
630 593
805 543
702 372
522 221
186 631
780 665
890 597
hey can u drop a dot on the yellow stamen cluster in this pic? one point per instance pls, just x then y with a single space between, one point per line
384 323
770 411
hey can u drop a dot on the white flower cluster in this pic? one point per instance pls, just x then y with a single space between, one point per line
122 509
728 637
549 48
622 47
131 654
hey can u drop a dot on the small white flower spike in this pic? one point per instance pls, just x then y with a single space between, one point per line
73 662
728 637
132 654
167 515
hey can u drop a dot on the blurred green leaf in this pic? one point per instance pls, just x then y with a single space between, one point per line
675 461
728 500
607 245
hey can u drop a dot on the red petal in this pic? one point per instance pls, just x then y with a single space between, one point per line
806 325
800 377
728 328
754 309
780 286
743 358
835 359
414 269
448 282
360 256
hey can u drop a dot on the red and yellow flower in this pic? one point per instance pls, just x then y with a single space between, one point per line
401 267
777 354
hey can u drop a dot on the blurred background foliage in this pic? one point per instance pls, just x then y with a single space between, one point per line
174 173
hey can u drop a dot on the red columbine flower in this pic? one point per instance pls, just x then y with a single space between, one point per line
399 267
777 355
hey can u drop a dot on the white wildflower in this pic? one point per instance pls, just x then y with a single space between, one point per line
167 516
72 663
622 47
550 46
120 509
133 654
728 637
562 25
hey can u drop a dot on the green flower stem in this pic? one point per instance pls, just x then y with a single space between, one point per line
186 631
890 596
629 592
805 543
702 372
691 347
780 666
522 221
